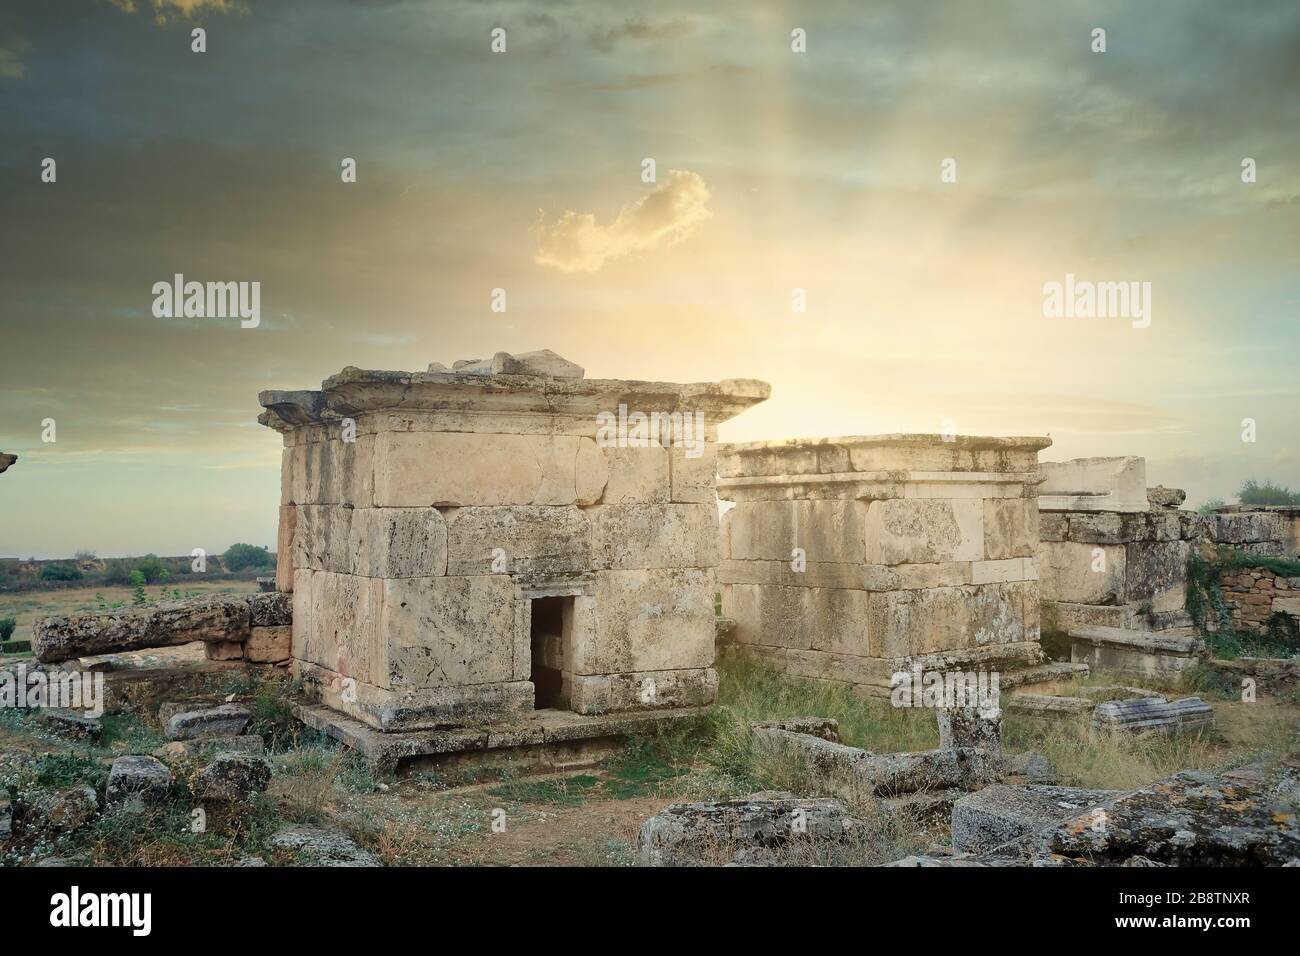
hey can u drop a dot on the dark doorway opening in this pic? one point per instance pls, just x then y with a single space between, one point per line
550 619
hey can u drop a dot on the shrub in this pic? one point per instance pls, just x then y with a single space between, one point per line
7 625
153 569
239 557
118 572
1266 493
60 572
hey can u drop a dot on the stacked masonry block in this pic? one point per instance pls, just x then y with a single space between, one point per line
480 537
850 559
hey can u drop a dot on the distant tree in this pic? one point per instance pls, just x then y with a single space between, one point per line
7 625
152 568
85 554
1266 493
60 572
240 557
117 571
1211 506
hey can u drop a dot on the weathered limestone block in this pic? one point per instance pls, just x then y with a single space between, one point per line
970 728
171 622
1094 484
1244 817
1149 653
826 531
1247 527
321 538
232 777
136 782
1003 814
741 831
827 728
637 475
644 690
397 543
1053 526
693 474
449 631
1154 714
269 645
322 846
1010 528
904 623
828 619
329 472
1162 497
1082 573
284 548
626 537
1156 572
183 750
208 722
648 620
1096 527
1007 569
924 531
59 811
858 577
850 769
269 609
533 540
338 623
455 469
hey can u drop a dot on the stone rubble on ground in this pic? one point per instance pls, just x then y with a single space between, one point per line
232 777
137 782
322 846
222 720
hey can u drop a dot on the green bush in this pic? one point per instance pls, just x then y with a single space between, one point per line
153 569
7 625
1266 493
60 572
240 557
117 571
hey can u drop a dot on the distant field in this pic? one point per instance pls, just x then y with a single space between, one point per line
27 605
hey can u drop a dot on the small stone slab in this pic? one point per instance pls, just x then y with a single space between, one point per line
136 782
226 719
1003 814
202 746
827 728
322 846
735 831
1051 707
73 724
1153 714
232 777
881 774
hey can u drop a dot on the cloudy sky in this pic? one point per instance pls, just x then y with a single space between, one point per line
522 170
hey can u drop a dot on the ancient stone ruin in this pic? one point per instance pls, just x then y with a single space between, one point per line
6 461
851 559
472 545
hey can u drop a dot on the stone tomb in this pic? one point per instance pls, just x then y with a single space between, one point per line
851 559
467 546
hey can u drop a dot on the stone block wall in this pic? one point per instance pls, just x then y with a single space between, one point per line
848 559
489 527
1253 595
1267 531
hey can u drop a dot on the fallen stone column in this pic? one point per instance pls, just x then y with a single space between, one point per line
216 620
862 770
1153 714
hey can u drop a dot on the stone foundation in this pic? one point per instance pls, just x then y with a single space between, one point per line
850 559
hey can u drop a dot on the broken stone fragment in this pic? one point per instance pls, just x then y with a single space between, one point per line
860 771
231 777
59 811
1153 714
1032 766
741 831
1004 814
137 782
179 750
1244 817
1162 497
209 722
541 362
321 846
6 461
270 609
73 724
827 728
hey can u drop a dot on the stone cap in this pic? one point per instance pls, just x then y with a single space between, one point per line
1094 484
881 453
6 461
547 387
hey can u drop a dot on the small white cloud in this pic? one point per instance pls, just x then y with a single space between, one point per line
663 217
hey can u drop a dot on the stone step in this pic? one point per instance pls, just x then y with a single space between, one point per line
1041 674
1148 653
1179 640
